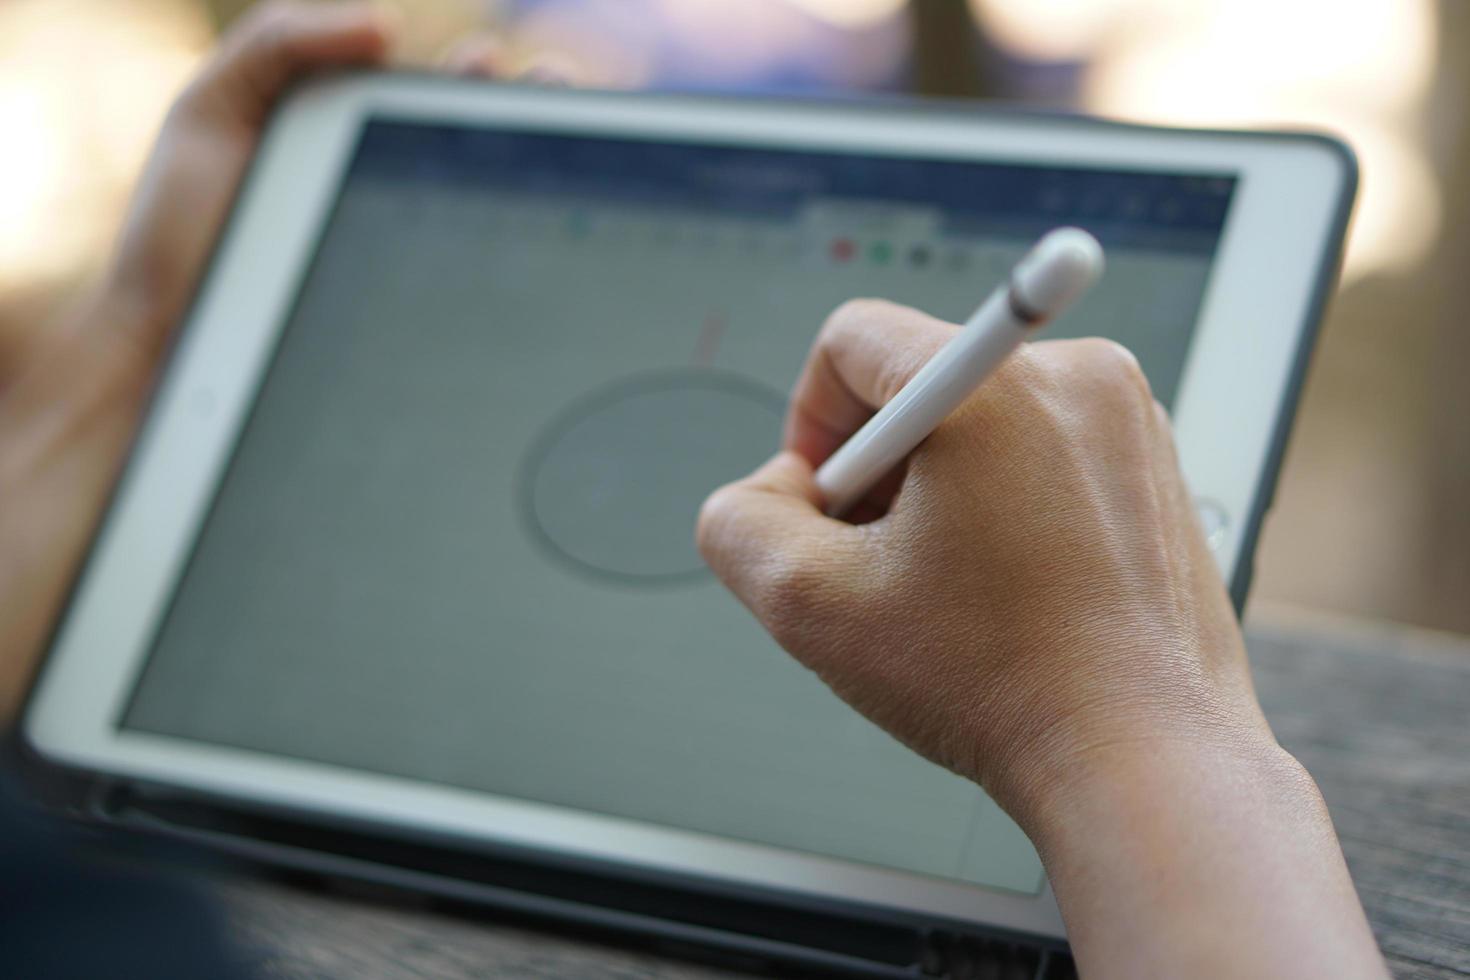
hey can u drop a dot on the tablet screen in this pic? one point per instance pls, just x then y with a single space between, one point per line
454 542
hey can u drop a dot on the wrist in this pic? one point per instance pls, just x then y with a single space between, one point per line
109 338
129 312
1129 789
1202 859
1119 712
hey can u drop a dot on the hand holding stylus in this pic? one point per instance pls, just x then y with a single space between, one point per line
1031 604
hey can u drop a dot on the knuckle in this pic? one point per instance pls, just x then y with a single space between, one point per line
854 314
273 13
259 18
715 515
1114 368
789 593
269 28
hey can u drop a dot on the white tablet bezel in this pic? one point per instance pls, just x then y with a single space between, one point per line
1243 366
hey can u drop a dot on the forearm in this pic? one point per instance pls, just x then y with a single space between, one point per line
1203 861
61 456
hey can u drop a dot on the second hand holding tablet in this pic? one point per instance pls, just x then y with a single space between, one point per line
1053 275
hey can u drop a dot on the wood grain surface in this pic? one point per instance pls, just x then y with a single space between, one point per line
1380 716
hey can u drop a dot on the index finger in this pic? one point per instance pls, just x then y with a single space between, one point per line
866 351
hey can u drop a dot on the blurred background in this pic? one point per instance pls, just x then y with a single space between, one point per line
1373 514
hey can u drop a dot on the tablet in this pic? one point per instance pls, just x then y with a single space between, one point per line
406 540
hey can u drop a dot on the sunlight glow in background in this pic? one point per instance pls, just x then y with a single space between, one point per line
1359 68
84 84
83 87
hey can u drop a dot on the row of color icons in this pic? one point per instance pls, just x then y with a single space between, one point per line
841 249
882 252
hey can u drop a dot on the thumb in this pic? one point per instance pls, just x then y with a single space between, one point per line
206 143
276 43
767 539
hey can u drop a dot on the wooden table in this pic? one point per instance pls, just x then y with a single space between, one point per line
1380 715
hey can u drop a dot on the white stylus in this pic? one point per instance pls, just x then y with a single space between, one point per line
1060 267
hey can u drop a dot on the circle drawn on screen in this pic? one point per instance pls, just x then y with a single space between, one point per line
614 483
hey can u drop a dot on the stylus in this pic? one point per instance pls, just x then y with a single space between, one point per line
1060 267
